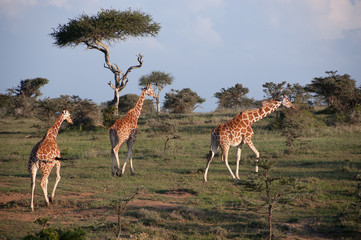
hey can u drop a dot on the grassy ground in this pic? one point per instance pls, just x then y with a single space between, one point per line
172 200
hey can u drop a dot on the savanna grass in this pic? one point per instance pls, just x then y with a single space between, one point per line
325 162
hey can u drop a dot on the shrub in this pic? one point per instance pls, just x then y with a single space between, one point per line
183 101
53 233
109 117
84 112
128 101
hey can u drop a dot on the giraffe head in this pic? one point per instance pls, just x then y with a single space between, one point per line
287 103
149 91
66 116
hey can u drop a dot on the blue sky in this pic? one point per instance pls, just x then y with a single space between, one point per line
205 44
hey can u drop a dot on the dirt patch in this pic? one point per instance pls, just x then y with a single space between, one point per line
141 203
15 206
179 193
301 230
5 198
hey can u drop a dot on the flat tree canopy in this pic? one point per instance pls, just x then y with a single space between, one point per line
183 101
158 80
233 97
107 25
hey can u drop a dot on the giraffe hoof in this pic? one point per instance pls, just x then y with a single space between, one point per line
119 174
50 200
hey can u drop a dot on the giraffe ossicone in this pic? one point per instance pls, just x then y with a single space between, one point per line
44 156
125 130
238 131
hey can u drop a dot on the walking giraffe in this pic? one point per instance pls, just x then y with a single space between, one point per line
126 129
238 131
45 155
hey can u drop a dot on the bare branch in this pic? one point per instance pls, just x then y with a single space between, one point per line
112 86
118 69
123 85
105 66
140 60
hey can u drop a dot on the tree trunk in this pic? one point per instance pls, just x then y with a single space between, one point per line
116 102
120 81
270 220
116 93
158 105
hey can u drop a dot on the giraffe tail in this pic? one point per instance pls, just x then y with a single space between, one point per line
101 125
61 159
214 145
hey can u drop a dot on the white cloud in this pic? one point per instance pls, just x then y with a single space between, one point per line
202 31
199 5
14 8
331 19
317 19
148 42
60 3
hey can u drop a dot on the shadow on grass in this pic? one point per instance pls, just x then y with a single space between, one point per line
190 222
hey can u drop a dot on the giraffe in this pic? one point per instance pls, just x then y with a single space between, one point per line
125 130
238 131
45 155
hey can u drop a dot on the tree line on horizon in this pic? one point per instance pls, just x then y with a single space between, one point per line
338 93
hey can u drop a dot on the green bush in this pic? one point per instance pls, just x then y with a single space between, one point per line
109 117
58 234
53 233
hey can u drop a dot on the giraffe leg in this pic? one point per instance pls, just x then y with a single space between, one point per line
33 170
209 160
130 144
239 152
114 140
44 186
116 154
251 146
46 170
58 177
214 148
225 159
112 154
129 156
115 157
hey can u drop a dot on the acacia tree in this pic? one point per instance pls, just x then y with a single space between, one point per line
338 91
233 97
297 93
128 101
102 29
158 80
84 112
183 101
26 94
274 90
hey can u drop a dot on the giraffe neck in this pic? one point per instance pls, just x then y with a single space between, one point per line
138 107
53 131
266 110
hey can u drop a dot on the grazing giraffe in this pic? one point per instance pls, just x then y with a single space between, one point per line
125 130
45 155
238 131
